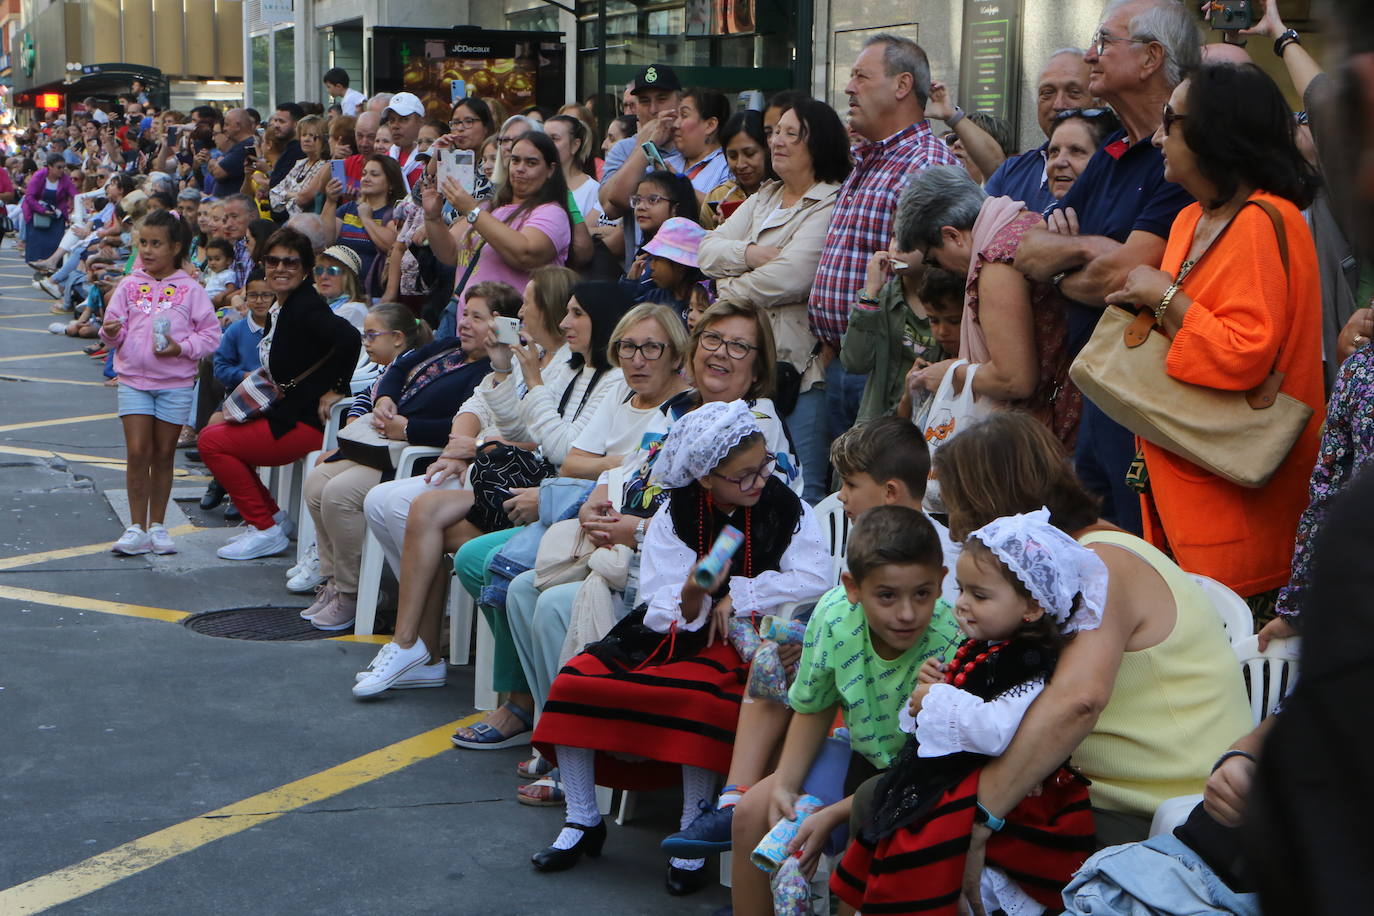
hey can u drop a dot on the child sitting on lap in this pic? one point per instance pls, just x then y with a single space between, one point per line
1025 588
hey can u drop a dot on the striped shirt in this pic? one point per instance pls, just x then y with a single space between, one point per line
862 221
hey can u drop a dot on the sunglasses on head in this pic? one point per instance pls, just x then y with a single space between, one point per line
1089 113
272 262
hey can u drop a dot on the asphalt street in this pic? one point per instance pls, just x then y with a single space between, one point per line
148 769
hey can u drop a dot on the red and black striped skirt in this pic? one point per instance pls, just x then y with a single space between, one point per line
680 712
920 868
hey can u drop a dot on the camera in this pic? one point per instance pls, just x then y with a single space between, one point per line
1230 15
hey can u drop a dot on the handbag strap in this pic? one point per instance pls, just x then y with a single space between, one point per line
287 386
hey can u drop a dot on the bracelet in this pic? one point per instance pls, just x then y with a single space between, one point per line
1229 754
865 299
1164 304
955 118
1289 37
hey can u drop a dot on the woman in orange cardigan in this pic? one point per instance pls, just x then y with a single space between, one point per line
1232 310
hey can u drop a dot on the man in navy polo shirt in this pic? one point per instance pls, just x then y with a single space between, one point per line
1117 215
1061 86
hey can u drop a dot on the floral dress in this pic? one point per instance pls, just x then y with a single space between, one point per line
1056 401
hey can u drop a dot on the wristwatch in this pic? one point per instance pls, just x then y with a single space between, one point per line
472 214
639 532
1289 37
985 817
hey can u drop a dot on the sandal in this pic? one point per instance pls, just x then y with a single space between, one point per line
486 738
546 793
534 768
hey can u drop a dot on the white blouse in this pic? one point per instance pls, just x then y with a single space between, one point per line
953 720
666 562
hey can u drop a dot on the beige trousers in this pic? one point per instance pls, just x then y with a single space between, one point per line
334 493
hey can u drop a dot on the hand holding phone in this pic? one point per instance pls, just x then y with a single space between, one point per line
655 158
508 331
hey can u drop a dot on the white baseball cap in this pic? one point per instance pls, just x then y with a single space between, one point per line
406 103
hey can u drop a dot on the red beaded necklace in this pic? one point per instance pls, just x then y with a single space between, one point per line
708 504
959 669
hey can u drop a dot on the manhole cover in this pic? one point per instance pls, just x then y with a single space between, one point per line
260 623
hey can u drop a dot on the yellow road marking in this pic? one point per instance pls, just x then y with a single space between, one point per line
66 553
86 419
376 639
66 456
31 315
16 359
74 881
6 377
78 603
25 330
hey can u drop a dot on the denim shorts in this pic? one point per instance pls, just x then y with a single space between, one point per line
170 405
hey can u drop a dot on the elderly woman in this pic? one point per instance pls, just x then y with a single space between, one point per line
298 191
1013 327
767 252
46 207
1075 135
1234 316
311 353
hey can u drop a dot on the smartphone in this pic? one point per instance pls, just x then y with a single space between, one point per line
460 165
338 172
457 91
508 331
172 130
1229 15
655 158
898 264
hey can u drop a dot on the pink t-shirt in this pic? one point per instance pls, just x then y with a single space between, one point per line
550 219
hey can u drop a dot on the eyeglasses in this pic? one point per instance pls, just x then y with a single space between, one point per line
272 262
1102 39
260 295
370 336
735 349
1091 114
648 200
506 142
333 270
652 349
464 122
1170 117
756 478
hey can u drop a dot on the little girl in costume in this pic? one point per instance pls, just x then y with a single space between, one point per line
656 701
1025 587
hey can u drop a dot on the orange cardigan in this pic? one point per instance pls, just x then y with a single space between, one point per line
1242 310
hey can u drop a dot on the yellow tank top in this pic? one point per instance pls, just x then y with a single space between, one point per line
1175 706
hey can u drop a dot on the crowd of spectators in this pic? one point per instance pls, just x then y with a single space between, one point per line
625 341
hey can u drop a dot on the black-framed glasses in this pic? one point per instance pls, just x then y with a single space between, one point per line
1102 39
648 200
506 142
333 270
464 122
756 478
1091 114
735 349
272 262
259 295
652 349
1170 116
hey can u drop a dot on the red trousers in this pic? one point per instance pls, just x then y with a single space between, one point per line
234 451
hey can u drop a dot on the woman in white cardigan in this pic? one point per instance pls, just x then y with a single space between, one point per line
767 254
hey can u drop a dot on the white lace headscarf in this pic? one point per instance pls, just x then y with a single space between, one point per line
700 440
1053 566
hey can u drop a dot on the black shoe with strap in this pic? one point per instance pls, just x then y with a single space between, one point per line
684 881
590 843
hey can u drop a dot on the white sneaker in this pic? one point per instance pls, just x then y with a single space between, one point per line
57 327
48 286
390 665
284 522
305 575
265 543
161 539
132 542
241 532
434 675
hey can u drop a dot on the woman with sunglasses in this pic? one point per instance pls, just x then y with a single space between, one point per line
336 279
310 354
1235 314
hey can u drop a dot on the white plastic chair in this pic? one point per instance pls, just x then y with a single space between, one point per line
305 522
1235 614
373 560
1269 675
835 526
1173 812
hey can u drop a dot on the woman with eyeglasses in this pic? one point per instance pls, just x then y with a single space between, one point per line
364 223
1075 134
767 253
1014 327
411 404
470 124
310 354
1236 315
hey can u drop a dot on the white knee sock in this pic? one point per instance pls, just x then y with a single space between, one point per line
577 770
698 785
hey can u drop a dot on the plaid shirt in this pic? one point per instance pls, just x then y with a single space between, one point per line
243 263
862 221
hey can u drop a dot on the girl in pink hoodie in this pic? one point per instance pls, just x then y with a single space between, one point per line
161 323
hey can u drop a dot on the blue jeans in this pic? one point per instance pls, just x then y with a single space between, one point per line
806 424
843 393
1104 453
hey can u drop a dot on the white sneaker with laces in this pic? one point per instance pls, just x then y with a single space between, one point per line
256 544
161 539
305 575
390 665
434 675
241 532
132 542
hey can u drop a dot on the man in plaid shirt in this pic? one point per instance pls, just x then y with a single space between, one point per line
887 91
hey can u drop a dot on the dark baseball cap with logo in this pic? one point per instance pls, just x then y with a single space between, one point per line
655 76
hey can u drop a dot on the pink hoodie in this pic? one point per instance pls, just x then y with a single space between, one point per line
137 302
